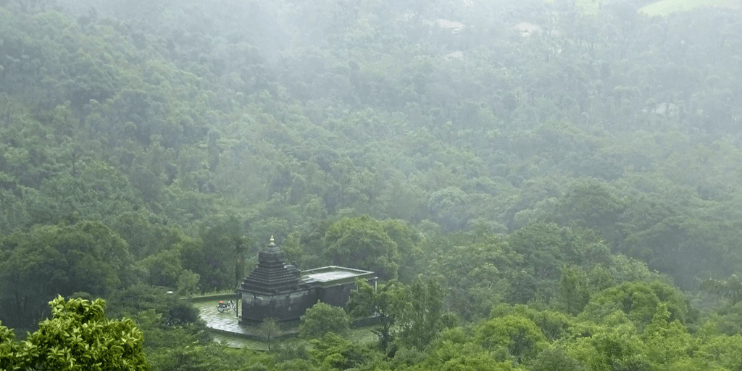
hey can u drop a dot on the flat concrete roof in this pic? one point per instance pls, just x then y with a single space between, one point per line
331 275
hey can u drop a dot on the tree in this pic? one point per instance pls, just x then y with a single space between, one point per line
362 243
520 336
421 319
218 261
573 289
449 207
639 301
77 337
187 283
269 329
8 348
139 298
334 351
387 303
543 247
322 318
555 359
164 268
408 241
592 205
60 260
731 289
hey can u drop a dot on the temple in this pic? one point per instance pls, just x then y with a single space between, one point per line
277 290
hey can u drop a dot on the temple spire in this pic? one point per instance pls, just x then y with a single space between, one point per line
271 275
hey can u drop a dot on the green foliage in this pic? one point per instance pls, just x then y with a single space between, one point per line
187 283
212 357
8 348
387 302
449 208
322 318
218 260
573 289
49 260
337 353
554 325
731 289
164 268
617 347
362 243
592 134
423 317
554 359
639 301
77 337
139 298
473 270
520 336
269 329
591 205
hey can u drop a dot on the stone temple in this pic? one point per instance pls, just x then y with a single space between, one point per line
278 290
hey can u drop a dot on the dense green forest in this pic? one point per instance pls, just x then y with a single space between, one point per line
540 187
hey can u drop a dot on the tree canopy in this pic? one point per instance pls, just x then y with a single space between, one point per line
537 184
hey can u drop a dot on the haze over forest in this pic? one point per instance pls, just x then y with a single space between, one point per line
539 185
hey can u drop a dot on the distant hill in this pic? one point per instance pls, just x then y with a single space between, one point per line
665 7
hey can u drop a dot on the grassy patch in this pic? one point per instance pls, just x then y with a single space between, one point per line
363 335
665 7
235 341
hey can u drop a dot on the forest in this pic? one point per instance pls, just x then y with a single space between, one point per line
540 185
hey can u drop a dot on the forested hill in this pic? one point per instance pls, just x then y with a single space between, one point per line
170 130
540 185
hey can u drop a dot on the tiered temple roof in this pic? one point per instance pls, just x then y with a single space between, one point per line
272 275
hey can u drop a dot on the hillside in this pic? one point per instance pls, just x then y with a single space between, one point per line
508 149
666 7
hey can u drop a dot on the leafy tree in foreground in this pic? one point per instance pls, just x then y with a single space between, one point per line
323 318
333 351
639 301
555 359
8 348
77 337
520 336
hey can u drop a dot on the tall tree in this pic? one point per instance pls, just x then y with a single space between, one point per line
362 243
422 316
60 260
387 302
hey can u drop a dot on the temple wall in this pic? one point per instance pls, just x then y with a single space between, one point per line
335 295
283 307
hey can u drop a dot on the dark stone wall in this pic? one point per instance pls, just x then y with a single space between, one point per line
335 295
283 307
291 306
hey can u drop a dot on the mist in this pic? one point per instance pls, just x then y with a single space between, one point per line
535 184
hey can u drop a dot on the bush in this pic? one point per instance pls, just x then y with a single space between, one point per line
323 318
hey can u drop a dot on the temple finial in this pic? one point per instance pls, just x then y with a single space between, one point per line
272 242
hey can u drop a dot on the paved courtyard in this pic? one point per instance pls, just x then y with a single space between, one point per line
226 328
226 321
